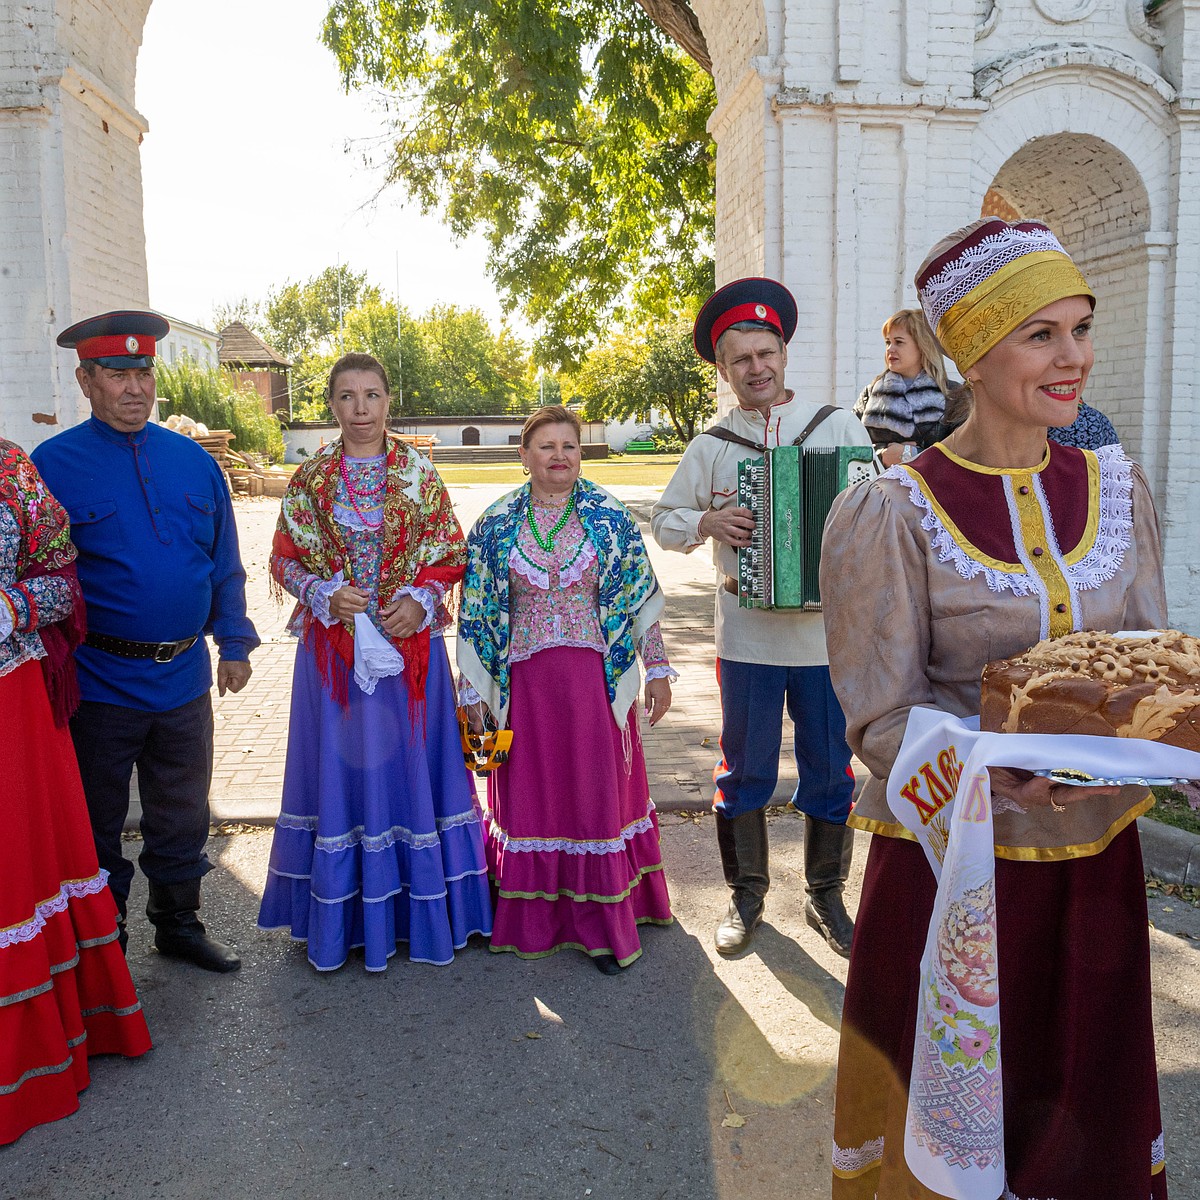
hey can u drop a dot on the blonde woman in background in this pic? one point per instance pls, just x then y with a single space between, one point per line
911 403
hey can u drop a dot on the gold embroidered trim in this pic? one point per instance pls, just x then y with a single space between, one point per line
858 1172
1035 535
1081 849
885 828
981 470
1091 529
960 539
1027 853
991 310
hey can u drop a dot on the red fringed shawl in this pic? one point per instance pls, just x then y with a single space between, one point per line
45 549
423 544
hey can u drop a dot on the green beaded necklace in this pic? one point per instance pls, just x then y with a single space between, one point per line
547 544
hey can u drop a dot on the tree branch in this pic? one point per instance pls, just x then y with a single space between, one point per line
676 19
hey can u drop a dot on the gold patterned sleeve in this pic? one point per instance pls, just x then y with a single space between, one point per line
1146 600
874 593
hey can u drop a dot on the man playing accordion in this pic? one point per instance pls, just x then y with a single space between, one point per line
767 658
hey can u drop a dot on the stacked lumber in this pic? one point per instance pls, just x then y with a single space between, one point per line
252 475
215 441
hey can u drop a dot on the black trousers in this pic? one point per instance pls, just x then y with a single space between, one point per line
173 752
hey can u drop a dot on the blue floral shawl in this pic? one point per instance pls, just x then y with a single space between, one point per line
630 599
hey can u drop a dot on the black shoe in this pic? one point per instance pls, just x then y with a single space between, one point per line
187 940
736 931
607 964
827 851
178 932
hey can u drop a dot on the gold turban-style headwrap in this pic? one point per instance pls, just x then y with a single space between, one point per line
980 283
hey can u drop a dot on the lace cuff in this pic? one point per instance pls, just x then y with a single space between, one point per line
428 598
320 597
662 671
467 695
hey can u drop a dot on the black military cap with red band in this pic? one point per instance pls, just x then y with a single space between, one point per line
117 340
762 301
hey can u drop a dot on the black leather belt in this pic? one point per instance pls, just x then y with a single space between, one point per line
161 652
730 584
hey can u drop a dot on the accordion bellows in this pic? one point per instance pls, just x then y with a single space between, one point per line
790 491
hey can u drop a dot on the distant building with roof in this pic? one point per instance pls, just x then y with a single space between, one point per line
254 362
186 340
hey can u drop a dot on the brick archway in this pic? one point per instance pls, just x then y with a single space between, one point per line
1093 197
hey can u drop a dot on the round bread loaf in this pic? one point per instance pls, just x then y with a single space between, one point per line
1110 685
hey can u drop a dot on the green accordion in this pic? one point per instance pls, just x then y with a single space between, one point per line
790 491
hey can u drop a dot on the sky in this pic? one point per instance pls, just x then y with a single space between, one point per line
246 180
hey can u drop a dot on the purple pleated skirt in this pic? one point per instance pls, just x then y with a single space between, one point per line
572 836
379 839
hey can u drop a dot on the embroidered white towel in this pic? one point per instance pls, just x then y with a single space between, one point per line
940 790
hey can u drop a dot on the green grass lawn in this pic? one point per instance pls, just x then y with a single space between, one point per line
1172 808
632 470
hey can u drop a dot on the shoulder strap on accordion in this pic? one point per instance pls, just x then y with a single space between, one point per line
727 435
822 413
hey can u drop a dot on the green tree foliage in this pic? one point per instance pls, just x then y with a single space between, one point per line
213 396
635 372
469 369
570 132
446 362
301 319
241 309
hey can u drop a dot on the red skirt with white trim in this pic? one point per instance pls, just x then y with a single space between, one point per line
65 991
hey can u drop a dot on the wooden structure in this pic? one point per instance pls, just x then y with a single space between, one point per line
249 358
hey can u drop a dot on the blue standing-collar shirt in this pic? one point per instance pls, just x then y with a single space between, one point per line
158 561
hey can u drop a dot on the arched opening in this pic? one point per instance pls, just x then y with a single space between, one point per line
470 436
1094 199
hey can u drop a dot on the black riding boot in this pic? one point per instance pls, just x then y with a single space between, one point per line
743 843
827 851
178 933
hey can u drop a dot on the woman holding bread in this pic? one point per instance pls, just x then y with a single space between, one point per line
984 544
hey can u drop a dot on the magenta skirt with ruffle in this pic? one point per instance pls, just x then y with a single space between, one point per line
571 831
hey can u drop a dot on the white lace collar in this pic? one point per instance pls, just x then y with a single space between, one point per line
1098 565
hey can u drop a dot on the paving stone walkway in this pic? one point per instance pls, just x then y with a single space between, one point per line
251 728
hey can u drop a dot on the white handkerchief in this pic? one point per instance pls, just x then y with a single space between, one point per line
375 658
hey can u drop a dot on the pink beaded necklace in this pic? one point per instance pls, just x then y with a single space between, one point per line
365 494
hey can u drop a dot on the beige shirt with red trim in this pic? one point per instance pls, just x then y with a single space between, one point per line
706 478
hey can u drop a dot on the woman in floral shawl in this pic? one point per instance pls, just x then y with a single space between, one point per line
379 839
65 991
559 600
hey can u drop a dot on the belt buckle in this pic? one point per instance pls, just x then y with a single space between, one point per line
164 652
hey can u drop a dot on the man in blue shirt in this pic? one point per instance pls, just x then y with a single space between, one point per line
159 568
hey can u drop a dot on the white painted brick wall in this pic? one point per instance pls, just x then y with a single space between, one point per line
850 137
859 157
72 240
